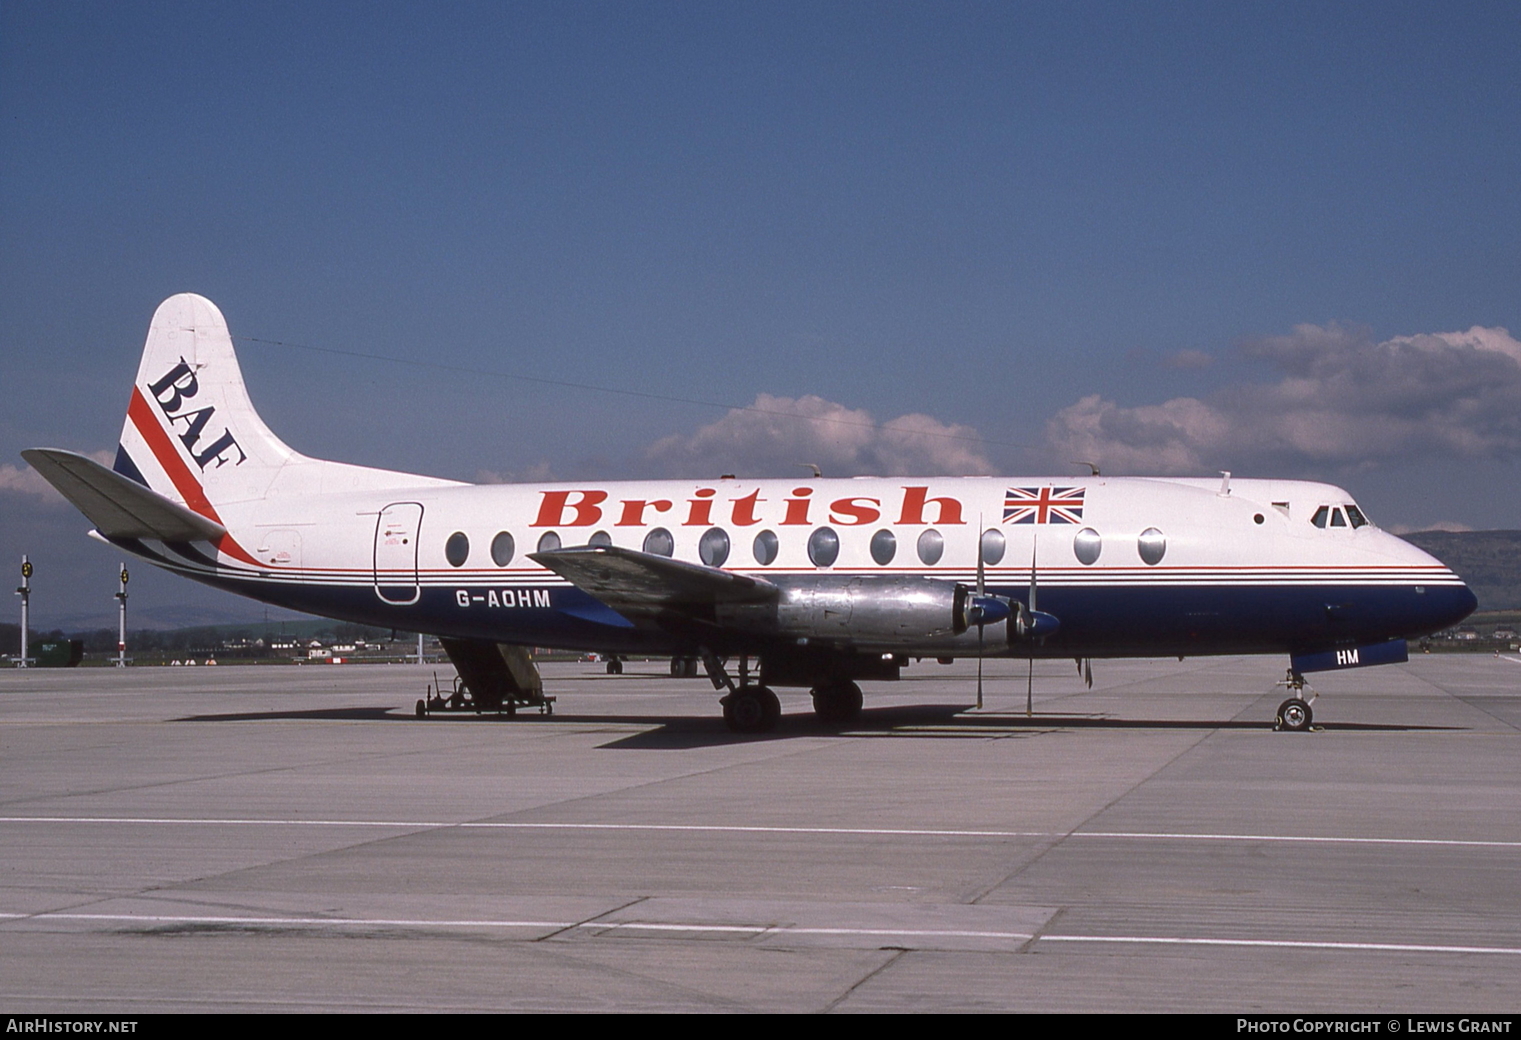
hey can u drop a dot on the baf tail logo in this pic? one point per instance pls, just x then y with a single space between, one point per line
172 392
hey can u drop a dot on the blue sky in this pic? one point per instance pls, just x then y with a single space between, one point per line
1178 237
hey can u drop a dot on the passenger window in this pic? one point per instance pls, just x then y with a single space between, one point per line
1152 545
1336 519
549 542
993 546
766 547
1319 519
457 549
931 547
1356 516
824 547
600 540
713 547
659 542
1086 546
884 546
502 548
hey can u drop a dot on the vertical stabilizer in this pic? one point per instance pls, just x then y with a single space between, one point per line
193 436
191 432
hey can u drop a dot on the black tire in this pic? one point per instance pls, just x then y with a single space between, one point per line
614 666
422 710
1294 715
773 705
837 702
748 711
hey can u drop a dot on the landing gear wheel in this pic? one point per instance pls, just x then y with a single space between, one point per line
752 709
683 668
837 702
1294 715
772 704
422 710
614 666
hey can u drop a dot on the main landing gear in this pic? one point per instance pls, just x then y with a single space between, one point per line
837 702
748 707
751 709
1295 714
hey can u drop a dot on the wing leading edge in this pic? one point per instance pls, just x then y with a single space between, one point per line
640 583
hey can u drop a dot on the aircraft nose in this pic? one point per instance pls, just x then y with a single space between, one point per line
1464 602
1441 604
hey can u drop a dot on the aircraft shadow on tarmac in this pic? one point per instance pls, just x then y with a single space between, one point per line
920 721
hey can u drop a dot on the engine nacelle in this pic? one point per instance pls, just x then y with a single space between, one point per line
876 613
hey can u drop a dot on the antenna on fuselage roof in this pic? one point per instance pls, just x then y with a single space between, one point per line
818 474
1093 468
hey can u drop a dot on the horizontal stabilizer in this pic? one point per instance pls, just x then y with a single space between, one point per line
118 506
633 582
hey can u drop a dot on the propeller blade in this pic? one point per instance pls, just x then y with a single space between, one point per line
982 588
981 604
1034 542
1034 620
979 666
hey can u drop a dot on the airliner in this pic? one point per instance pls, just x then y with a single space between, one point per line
814 583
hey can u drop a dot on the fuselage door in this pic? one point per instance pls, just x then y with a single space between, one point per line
396 532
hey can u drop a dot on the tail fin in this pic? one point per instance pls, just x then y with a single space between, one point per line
192 434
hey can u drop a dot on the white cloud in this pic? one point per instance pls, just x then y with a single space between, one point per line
1440 525
538 473
1343 400
775 435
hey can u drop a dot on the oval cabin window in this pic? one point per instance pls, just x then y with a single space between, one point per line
713 548
824 547
765 548
457 549
502 548
659 542
1086 546
931 547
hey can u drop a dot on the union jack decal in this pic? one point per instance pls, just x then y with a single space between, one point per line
1043 505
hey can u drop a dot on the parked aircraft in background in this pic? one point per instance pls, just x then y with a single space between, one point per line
817 583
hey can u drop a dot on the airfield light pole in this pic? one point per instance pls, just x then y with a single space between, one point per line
25 592
121 621
419 648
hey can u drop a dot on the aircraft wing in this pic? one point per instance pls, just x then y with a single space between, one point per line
117 506
633 582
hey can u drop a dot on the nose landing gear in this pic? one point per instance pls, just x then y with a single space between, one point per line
1295 714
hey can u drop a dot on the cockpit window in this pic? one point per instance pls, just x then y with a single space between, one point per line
1337 520
1319 519
1356 516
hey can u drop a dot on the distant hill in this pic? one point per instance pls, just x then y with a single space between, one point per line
1489 561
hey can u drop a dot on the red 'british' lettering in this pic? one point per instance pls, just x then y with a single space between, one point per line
853 511
586 509
914 502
